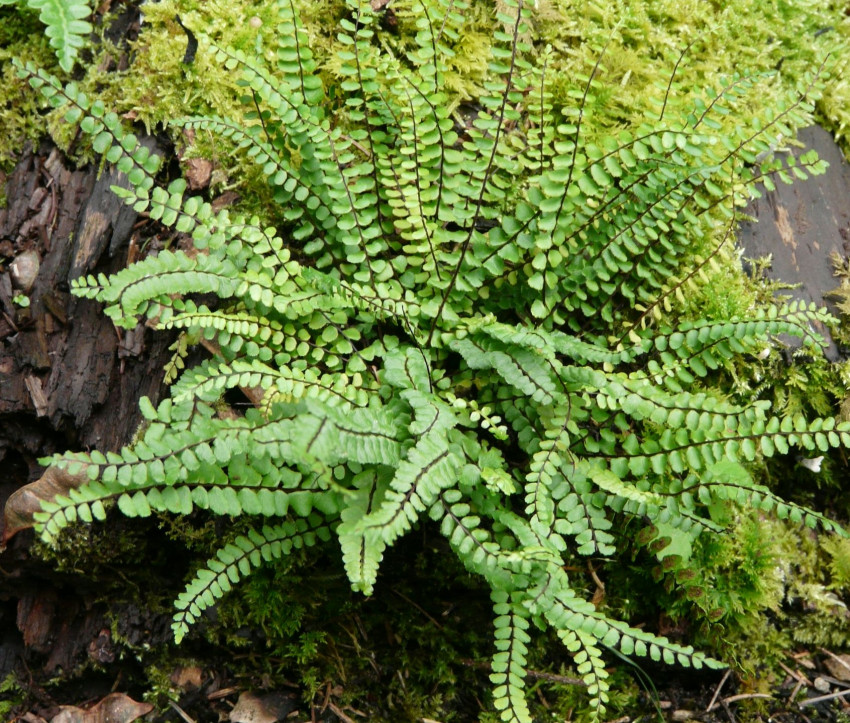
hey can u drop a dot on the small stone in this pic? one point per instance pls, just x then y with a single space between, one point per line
839 666
821 685
267 708
24 270
682 715
187 677
255 22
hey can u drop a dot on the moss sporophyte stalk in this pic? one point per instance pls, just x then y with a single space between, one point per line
453 313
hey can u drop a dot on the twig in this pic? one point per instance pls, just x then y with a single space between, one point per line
835 681
800 677
718 689
182 713
338 712
599 584
803 659
822 698
418 607
745 696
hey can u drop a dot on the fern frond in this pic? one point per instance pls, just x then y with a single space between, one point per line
236 560
550 468
333 433
510 659
362 550
108 135
519 367
429 467
290 184
66 26
479 551
730 481
210 379
146 287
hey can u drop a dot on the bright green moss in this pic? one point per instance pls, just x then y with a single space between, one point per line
741 36
180 89
838 550
20 37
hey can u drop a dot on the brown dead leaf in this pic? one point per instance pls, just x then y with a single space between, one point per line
838 666
228 198
379 4
268 708
114 708
25 502
187 676
198 173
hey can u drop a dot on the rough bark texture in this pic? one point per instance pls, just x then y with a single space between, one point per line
63 361
68 379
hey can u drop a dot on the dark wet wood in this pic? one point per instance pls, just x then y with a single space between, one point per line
800 225
68 379
62 360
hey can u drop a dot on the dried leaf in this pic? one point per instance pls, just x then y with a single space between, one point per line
25 502
838 666
198 173
114 708
269 708
187 676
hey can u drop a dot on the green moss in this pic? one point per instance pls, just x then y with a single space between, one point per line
12 695
838 549
91 550
20 37
406 653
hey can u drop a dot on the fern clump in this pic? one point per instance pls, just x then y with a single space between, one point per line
451 317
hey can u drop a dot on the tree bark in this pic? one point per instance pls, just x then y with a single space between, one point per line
68 380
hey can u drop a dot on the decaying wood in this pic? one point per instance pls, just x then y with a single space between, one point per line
801 225
61 358
68 380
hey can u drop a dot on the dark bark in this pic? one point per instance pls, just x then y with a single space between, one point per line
63 361
68 379
801 225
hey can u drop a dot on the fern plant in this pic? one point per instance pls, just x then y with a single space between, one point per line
65 24
454 318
